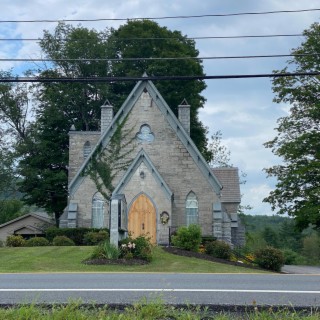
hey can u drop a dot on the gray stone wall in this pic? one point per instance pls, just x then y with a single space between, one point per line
77 139
173 162
149 186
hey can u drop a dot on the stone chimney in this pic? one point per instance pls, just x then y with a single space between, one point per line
106 115
184 115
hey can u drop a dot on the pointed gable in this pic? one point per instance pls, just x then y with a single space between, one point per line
142 157
136 93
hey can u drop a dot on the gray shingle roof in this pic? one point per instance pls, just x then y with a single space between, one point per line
229 178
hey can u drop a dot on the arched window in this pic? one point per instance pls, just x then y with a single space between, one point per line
86 149
192 209
97 211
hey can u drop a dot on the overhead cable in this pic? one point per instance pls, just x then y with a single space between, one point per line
156 59
156 78
161 18
166 38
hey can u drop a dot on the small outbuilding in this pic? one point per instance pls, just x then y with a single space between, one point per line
28 225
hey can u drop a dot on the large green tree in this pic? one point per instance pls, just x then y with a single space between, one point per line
44 152
14 124
80 52
43 163
297 191
69 47
146 39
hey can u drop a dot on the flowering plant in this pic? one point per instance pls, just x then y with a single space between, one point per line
127 250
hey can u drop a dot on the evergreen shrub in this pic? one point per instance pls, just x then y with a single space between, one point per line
76 234
218 249
188 238
62 241
291 257
269 258
37 242
92 238
15 241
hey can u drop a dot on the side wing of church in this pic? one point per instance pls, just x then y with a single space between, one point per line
167 184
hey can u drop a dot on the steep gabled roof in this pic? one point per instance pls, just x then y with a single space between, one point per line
171 118
229 178
33 229
40 217
142 157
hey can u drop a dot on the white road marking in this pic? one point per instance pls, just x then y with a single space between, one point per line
157 290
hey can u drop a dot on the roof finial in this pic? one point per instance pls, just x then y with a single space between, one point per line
107 103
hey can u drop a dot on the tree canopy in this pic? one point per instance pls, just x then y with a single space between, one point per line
14 111
146 39
42 146
297 192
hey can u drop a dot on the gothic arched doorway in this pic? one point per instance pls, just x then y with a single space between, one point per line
142 218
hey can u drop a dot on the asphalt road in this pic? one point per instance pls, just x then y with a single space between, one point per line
124 288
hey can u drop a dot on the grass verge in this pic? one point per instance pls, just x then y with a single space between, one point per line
69 259
141 310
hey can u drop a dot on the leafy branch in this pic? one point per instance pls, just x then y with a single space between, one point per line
107 162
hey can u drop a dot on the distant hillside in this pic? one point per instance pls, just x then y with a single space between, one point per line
257 223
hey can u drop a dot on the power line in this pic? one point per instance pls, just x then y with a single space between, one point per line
161 18
155 78
156 59
167 38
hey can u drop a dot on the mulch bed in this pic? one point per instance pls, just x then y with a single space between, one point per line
123 262
207 257
172 250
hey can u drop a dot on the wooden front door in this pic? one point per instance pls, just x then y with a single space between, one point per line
142 218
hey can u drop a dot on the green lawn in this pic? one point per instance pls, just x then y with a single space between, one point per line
68 259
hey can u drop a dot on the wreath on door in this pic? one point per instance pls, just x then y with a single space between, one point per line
164 217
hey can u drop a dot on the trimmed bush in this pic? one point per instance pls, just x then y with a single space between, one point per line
75 234
15 241
1 244
52 232
218 249
188 238
37 242
269 258
93 238
62 241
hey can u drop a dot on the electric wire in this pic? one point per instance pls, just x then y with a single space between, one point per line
155 58
167 38
161 18
155 78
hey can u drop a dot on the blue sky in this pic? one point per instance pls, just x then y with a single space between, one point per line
242 109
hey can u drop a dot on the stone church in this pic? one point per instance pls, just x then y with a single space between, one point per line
167 183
